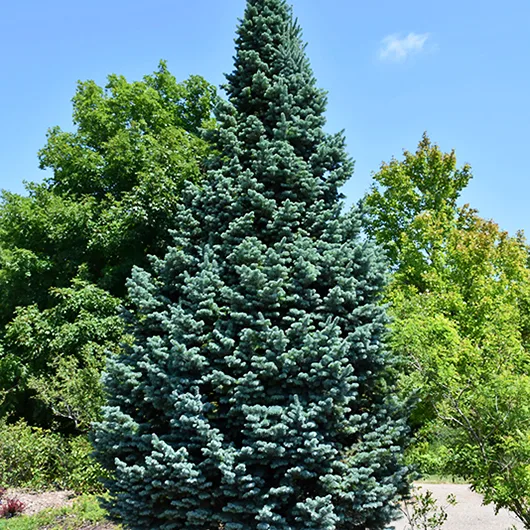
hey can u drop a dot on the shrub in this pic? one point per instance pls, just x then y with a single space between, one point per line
11 507
84 513
431 452
39 459
422 511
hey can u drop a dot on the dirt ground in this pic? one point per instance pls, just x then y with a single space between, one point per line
37 501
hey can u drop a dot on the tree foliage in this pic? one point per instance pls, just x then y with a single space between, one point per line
134 146
67 247
43 241
460 300
412 206
257 393
60 352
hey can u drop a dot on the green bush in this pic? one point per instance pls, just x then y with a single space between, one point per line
35 458
430 453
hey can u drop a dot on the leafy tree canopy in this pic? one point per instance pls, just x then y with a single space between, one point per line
59 353
460 298
108 204
412 205
134 146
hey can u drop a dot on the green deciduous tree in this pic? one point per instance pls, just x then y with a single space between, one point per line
460 297
73 240
60 352
43 242
134 146
257 393
412 206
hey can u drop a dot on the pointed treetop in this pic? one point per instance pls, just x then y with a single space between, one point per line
272 78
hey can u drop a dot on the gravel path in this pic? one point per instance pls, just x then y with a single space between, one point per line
469 513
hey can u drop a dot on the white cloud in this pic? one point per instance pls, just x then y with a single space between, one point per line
397 48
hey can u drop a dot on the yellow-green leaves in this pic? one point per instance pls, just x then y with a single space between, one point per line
412 204
460 300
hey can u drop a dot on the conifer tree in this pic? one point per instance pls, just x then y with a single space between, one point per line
257 394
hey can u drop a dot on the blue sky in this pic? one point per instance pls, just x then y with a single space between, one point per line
458 69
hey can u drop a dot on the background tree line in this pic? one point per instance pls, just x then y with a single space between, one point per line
459 289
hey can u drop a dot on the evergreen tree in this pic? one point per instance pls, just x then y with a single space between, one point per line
257 394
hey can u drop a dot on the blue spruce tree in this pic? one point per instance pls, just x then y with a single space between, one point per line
257 394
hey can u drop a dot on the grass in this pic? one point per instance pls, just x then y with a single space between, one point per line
85 511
